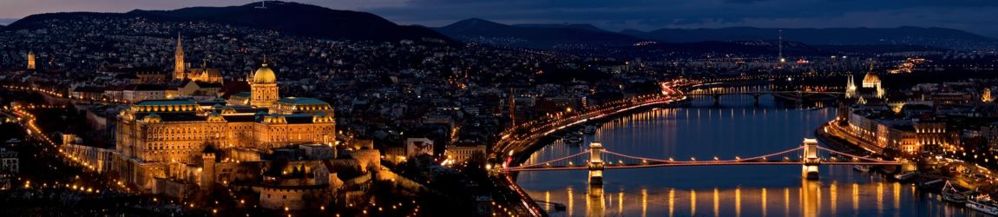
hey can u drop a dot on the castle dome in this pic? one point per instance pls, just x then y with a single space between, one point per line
264 75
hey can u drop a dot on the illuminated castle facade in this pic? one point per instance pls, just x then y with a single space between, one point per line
179 139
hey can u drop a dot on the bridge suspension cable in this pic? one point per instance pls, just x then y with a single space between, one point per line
554 160
756 160
735 160
850 155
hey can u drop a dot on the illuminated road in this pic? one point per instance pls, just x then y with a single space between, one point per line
518 139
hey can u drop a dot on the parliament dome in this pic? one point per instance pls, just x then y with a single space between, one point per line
871 79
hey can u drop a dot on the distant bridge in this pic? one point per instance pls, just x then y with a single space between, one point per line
755 93
806 155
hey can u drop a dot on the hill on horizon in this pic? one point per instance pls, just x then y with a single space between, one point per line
286 17
534 35
916 36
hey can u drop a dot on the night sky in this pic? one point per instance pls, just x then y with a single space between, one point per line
978 16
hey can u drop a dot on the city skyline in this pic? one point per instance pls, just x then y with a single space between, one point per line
296 109
615 16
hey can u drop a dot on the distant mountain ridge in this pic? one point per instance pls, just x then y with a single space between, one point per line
534 35
919 36
553 35
287 17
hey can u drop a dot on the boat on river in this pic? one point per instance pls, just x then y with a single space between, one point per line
861 168
952 195
905 176
983 203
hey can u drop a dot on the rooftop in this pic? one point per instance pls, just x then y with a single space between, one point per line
302 101
155 102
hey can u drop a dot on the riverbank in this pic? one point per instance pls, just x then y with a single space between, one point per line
929 174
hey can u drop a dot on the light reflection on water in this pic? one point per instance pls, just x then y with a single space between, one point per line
737 128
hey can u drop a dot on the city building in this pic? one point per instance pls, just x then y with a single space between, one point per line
461 153
31 60
181 70
170 138
9 167
871 88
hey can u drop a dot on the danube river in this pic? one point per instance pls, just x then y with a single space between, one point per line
735 128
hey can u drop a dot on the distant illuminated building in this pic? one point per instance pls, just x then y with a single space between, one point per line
31 60
204 74
871 83
986 96
181 71
850 87
871 88
871 80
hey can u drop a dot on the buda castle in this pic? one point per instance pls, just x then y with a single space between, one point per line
284 149
152 135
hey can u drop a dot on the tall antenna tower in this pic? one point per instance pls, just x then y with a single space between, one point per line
781 59
263 5
512 107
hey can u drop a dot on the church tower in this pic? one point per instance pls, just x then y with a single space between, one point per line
263 87
178 61
986 95
31 60
850 87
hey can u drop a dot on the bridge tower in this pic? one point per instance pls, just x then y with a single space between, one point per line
810 159
596 163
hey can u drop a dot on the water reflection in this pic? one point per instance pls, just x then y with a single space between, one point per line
809 198
734 129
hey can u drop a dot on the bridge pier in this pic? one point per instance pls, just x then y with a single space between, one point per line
810 159
596 164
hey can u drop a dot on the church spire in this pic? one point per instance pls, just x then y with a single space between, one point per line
178 60
850 87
